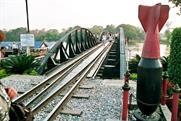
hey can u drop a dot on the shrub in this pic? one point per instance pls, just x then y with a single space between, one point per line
19 64
133 64
1 64
3 73
174 62
31 72
164 61
133 76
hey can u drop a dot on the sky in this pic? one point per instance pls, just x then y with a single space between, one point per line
59 14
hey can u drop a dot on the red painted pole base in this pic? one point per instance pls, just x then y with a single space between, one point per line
125 106
175 107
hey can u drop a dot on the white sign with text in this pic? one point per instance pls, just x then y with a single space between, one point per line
27 40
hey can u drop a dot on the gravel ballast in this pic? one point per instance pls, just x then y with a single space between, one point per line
104 103
21 83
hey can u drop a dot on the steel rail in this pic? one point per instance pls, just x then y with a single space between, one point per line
100 64
47 80
69 79
51 85
95 69
68 95
36 99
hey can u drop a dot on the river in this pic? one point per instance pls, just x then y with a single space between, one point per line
137 49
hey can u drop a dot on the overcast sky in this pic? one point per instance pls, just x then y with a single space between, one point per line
59 14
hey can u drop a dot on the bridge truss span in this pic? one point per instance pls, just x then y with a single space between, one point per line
73 43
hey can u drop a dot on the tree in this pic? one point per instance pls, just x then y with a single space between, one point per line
132 32
97 29
133 64
52 35
49 35
110 28
177 3
14 34
167 34
174 61
39 34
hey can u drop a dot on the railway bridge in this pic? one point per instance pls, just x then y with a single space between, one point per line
74 60
78 41
80 55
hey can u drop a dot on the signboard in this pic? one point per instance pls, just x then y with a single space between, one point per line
27 40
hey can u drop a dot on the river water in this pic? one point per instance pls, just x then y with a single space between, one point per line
137 49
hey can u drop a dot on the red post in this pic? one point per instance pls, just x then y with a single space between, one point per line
164 88
175 100
126 89
126 77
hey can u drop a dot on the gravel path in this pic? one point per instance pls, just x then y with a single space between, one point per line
104 103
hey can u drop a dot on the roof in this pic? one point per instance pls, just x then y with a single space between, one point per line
38 44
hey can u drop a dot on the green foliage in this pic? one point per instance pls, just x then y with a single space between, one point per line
132 32
1 64
110 28
168 36
177 3
96 29
3 73
133 76
165 38
169 92
19 64
52 35
31 72
174 62
14 34
40 35
164 61
133 64
49 35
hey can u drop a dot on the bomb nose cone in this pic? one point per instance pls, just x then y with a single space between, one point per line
152 19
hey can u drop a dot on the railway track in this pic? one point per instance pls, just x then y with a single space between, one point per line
65 78
54 74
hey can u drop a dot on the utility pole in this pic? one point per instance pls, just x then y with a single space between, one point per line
27 16
28 29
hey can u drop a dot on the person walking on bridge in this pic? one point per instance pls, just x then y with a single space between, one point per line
110 38
104 38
